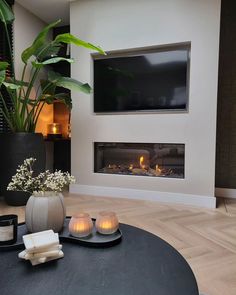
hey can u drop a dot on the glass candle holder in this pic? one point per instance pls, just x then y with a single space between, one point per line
54 130
107 223
80 225
8 229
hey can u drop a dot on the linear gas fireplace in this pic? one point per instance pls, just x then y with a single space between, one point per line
140 159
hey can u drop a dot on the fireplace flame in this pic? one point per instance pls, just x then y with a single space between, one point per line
158 170
131 167
141 162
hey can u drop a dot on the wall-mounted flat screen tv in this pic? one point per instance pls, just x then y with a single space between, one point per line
147 80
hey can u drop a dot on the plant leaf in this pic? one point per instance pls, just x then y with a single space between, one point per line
6 14
2 76
73 84
40 40
3 65
53 60
17 82
53 76
11 86
49 49
68 83
65 98
71 39
48 98
31 102
47 87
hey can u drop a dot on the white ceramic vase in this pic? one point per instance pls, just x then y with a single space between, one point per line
45 210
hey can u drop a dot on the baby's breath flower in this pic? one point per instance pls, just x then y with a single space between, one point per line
23 180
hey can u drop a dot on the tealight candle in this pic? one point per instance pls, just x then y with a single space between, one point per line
107 223
54 130
80 225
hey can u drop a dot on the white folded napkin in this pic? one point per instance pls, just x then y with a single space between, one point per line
40 241
41 247
51 252
46 259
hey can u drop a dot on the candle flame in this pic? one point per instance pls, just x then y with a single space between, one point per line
54 129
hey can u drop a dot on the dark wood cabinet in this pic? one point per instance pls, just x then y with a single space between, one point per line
58 154
62 155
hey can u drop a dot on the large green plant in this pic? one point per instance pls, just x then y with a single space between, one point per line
25 110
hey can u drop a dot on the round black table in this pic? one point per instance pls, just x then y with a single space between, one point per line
142 264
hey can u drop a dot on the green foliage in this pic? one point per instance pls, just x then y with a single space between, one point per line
43 52
50 61
6 14
70 39
39 44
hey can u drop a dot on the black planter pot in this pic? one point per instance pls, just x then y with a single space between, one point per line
14 149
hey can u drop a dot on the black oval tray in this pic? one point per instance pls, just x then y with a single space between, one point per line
93 240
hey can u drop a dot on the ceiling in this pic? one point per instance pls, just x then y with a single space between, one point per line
49 10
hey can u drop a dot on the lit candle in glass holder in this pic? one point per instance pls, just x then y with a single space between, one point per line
54 130
107 223
80 225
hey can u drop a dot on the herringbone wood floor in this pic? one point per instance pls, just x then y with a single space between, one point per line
206 238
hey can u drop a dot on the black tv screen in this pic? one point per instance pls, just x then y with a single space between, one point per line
150 81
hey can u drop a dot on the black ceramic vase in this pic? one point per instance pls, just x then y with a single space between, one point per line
14 149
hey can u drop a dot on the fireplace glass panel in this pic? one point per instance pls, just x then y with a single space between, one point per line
140 159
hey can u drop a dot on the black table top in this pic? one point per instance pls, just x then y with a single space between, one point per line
142 264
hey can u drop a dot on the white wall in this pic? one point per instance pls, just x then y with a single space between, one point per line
128 24
26 28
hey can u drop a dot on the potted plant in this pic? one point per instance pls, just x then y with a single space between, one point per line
45 208
27 98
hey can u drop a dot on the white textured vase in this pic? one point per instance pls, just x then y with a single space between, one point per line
45 211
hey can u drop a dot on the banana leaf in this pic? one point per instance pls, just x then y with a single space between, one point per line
63 97
40 40
2 76
53 60
6 14
71 39
17 82
68 83
3 65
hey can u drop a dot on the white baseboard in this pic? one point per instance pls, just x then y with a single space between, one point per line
185 199
225 192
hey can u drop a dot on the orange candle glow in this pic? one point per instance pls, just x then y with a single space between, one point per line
107 223
80 225
54 128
